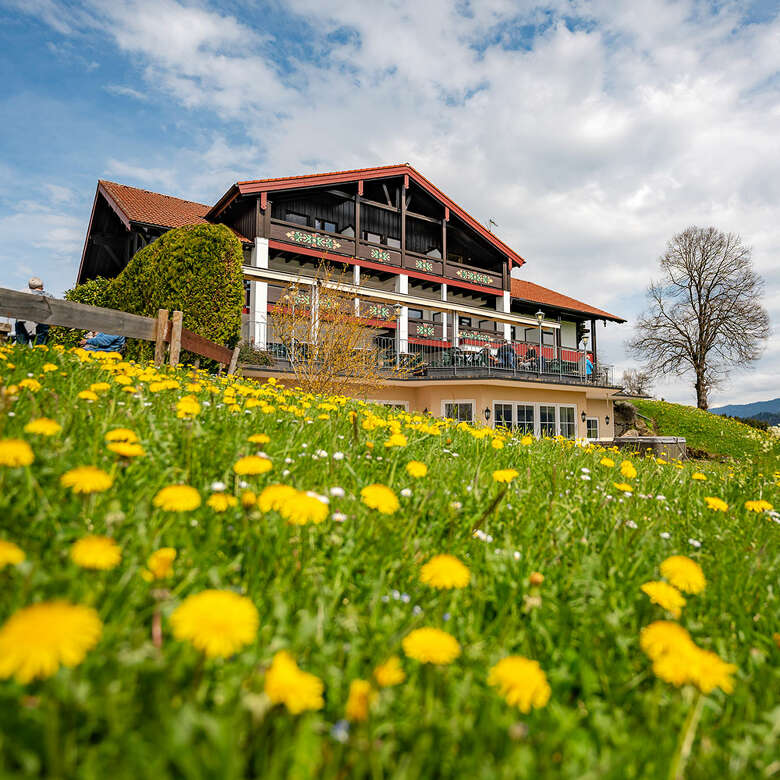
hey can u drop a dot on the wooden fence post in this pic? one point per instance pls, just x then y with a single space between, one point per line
159 336
234 361
175 338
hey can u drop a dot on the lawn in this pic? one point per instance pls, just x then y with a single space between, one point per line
282 640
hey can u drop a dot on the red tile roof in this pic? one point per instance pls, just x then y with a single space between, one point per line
535 293
153 208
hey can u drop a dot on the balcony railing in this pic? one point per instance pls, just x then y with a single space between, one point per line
508 360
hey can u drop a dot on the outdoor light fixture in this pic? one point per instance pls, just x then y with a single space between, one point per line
487 412
397 308
582 416
540 317
425 411
606 419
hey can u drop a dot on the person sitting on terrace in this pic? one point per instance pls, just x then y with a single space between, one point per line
102 342
507 357
589 365
529 362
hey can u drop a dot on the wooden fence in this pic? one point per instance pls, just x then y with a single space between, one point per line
160 329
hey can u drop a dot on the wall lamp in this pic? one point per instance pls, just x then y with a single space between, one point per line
487 412
583 416
606 419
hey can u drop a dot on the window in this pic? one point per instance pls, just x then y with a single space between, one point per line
437 316
298 219
415 314
402 405
515 330
525 418
592 427
393 242
486 325
462 411
435 253
532 336
547 420
567 423
502 414
348 231
323 224
374 238
464 322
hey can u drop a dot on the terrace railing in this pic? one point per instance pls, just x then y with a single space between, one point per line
498 359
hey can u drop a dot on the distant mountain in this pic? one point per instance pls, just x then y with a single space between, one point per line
750 410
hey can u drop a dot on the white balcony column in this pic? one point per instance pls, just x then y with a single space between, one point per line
356 275
315 313
504 304
402 326
444 314
455 329
258 296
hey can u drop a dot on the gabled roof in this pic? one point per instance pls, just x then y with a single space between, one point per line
254 186
535 293
152 208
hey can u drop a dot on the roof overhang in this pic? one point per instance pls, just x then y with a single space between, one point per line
267 186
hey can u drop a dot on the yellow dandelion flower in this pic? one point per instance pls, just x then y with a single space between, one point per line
248 499
252 465
608 462
666 596
758 505
396 440
43 426
221 502
684 574
47 367
88 395
15 452
99 387
303 508
286 683
445 571
274 496
505 475
716 504
187 407
259 438
219 623
416 469
627 469
10 554
526 440
126 449
87 479
521 682
124 435
361 696
709 671
431 646
159 565
497 444
698 476
379 497
661 637
624 487
177 498
536 578
96 552
37 640
33 385
389 673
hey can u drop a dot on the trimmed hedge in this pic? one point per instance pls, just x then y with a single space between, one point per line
95 293
195 269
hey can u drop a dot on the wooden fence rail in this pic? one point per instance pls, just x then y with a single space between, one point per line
161 330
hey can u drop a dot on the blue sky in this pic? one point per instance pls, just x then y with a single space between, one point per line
590 133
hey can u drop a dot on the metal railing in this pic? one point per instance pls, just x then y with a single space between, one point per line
498 359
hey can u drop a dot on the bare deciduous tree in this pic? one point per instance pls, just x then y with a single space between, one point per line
636 382
332 349
705 316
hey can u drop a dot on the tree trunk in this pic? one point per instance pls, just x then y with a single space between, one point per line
701 392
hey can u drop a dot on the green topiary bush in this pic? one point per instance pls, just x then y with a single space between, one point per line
94 293
195 269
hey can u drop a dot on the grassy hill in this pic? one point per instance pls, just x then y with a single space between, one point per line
282 640
712 433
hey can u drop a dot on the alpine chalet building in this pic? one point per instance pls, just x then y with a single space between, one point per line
433 284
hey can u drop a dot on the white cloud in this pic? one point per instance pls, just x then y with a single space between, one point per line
589 146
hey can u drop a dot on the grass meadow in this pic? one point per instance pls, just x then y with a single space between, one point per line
282 639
